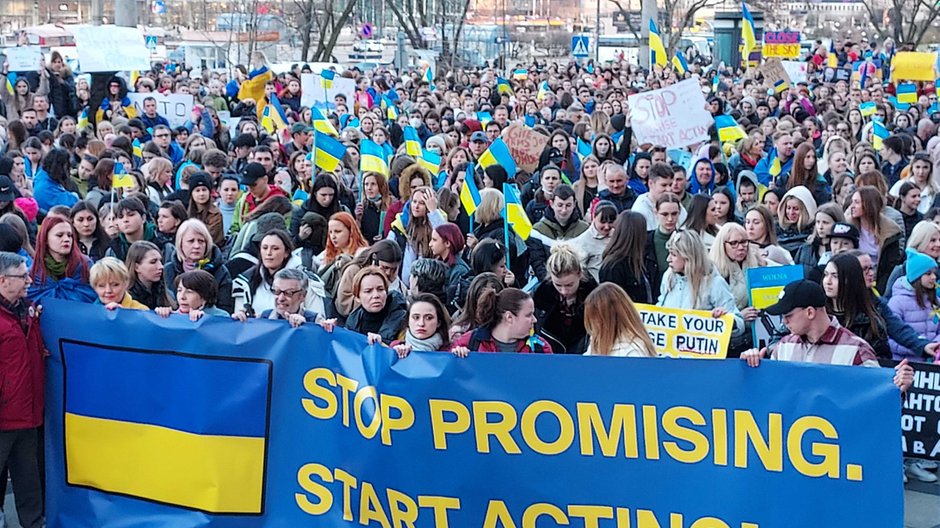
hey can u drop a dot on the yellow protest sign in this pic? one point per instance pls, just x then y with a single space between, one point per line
913 66
687 333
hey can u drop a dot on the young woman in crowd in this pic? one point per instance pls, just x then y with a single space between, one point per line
145 271
854 307
732 254
413 235
586 188
92 239
110 279
559 301
203 208
925 239
59 271
614 324
594 241
921 175
625 259
343 242
795 217
428 325
194 249
381 313
914 300
702 219
907 203
815 252
447 243
879 237
373 207
506 324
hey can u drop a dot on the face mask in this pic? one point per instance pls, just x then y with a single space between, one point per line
416 122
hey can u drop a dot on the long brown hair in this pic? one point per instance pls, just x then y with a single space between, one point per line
628 243
872 205
798 174
610 316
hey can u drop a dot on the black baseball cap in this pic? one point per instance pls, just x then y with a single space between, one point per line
845 230
798 294
7 189
252 173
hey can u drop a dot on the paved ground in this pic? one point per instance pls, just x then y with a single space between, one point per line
921 506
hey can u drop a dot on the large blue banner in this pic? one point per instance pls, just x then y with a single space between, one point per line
154 422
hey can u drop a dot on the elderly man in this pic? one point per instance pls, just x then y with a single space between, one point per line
21 376
290 292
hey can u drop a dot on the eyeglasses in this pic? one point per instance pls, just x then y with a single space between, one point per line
288 293
24 276
736 243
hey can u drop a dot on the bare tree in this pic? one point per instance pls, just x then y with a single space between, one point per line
319 24
907 21
414 15
673 13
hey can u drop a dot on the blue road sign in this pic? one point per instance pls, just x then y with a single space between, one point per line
580 46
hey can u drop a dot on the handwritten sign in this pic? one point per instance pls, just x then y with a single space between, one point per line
764 287
687 333
775 75
672 117
24 58
110 48
525 145
176 108
781 44
796 70
920 416
312 93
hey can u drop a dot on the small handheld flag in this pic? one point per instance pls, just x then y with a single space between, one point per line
121 179
503 87
520 74
679 62
907 93
867 109
430 160
326 78
412 142
728 129
936 87
498 154
584 149
469 193
878 134
372 158
657 50
328 151
138 151
515 213
321 123
543 91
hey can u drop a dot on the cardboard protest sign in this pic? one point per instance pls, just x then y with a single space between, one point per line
764 286
24 58
783 44
774 72
913 66
674 116
525 145
796 70
687 333
312 93
176 108
920 415
110 48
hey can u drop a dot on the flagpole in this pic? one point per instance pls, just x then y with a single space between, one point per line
506 228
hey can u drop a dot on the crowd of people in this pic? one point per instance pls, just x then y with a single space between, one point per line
238 222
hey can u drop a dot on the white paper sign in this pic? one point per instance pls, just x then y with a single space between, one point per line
110 48
24 58
313 95
176 108
796 70
671 117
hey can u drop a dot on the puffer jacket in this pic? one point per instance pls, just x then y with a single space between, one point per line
215 265
676 292
925 321
21 369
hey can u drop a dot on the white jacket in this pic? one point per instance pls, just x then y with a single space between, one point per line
716 294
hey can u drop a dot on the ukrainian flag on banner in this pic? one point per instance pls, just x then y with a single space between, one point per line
372 158
657 50
867 109
679 62
127 433
503 87
431 161
254 87
326 79
728 129
515 213
412 142
121 179
498 154
748 32
907 93
329 151
321 123
878 134
469 193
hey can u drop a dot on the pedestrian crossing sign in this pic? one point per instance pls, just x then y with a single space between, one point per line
580 44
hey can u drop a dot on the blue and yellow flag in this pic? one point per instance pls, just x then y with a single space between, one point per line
657 50
321 123
329 151
780 85
503 87
429 75
484 117
391 111
412 142
83 119
514 213
278 115
543 91
430 160
326 78
832 60
748 33
11 80
129 433
867 109
138 151
267 122
584 149
936 87
728 129
469 193
372 158
679 62
878 134
121 179
907 93
520 74
498 154
253 87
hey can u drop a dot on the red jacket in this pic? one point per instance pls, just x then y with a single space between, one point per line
21 372
484 342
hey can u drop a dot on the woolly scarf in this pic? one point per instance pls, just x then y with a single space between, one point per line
430 344
55 268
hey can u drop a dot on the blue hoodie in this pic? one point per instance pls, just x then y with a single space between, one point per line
694 186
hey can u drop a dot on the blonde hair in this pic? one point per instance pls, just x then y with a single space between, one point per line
801 224
563 260
922 233
155 166
719 256
200 228
109 268
491 206
610 316
698 269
